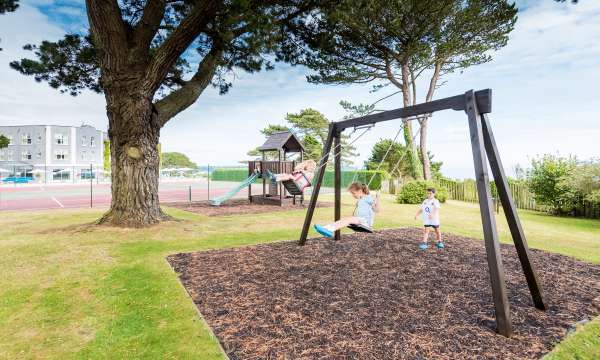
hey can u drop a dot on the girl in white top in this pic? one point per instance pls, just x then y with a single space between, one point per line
430 209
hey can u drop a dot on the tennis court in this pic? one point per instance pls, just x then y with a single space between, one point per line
81 195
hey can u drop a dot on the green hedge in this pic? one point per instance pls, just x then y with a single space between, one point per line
363 176
236 175
414 192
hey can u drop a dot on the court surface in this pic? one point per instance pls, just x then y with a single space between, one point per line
69 195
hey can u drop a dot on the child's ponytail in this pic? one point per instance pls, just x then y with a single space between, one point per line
356 186
365 189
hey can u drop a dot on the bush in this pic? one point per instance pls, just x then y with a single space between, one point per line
545 180
583 181
593 197
414 192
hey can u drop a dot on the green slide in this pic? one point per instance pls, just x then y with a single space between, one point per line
231 193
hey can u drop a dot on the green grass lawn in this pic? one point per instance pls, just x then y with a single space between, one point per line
71 290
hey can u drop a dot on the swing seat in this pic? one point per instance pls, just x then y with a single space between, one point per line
292 188
360 228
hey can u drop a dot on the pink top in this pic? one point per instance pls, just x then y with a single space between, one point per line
302 179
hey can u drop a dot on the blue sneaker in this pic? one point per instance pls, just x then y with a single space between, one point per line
440 245
323 231
271 177
423 246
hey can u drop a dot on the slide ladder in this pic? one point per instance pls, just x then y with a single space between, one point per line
231 193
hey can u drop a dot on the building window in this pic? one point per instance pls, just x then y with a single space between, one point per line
39 155
2 155
9 137
25 155
60 155
84 141
60 174
83 155
26 139
92 141
39 139
61 139
87 174
9 155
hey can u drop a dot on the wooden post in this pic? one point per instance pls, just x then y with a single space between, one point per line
91 186
264 181
337 180
251 168
490 234
301 160
510 211
317 186
279 187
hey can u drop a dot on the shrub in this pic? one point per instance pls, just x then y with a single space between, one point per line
545 181
593 197
414 192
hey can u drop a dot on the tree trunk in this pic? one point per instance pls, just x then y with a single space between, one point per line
425 121
412 155
423 148
133 131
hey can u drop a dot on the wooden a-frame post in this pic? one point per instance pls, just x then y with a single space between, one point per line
510 211
488 220
337 180
317 186
477 105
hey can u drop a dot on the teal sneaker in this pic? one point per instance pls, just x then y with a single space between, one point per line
423 246
271 177
440 245
323 231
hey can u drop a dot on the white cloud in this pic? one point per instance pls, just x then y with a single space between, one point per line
24 101
544 83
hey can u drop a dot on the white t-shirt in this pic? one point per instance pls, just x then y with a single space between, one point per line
427 208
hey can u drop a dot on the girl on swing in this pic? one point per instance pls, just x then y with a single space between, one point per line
302 175
364 213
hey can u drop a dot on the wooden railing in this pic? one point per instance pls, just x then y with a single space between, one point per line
276 167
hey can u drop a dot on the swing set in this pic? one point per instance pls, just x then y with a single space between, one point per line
477 105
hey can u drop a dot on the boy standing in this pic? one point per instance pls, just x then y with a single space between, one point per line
430 208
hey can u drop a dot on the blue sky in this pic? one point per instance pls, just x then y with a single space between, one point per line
545 85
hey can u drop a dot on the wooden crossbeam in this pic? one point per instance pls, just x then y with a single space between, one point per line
484 102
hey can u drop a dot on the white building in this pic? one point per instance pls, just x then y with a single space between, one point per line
50 153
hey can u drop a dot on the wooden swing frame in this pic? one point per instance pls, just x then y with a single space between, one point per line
476 105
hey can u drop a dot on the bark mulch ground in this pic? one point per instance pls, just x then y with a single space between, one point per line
375 296
237 206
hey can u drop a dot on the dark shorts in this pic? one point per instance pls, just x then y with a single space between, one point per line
432 226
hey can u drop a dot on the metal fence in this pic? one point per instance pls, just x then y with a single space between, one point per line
524 199
467 191
20 173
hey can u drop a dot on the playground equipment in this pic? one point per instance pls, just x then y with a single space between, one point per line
283 193
476 105
231 193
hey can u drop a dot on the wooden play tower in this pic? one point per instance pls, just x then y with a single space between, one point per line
283 143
